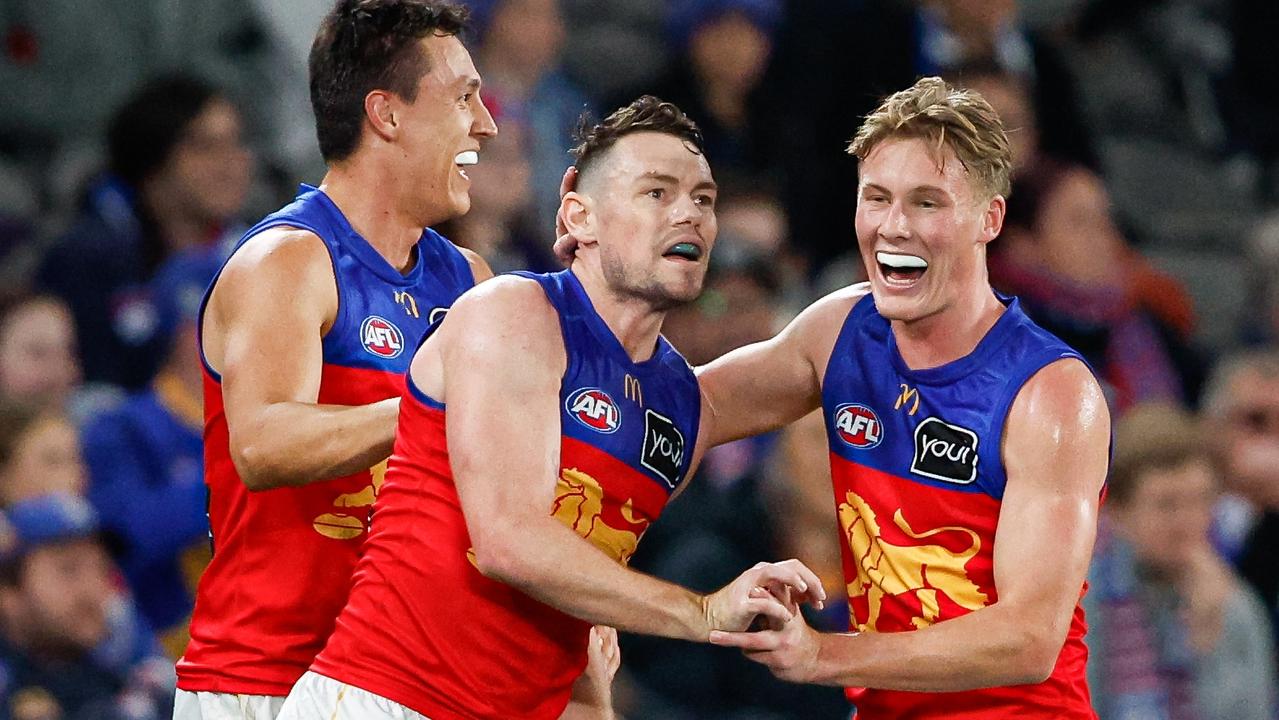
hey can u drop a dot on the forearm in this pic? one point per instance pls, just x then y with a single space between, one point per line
554 565
293 443
986 648
579 710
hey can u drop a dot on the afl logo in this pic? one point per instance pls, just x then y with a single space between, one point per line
380 337
858 426
595 409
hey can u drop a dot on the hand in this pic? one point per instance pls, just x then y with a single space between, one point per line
592 696
565 244
763 590
789 649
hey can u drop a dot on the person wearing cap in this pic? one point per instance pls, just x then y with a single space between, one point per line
1174 632
56 600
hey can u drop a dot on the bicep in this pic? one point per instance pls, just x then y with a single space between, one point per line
272 312
758 388
502 380
1056 453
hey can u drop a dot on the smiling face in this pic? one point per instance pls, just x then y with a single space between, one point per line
650 218
922 227
440 131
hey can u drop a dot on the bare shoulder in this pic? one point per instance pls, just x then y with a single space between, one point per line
817 327
509 310
480 269
1063 393
283 265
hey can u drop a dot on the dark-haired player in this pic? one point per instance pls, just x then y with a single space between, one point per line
306 334
504 532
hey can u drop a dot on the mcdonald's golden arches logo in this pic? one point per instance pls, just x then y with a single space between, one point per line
632 389
406 301
910 395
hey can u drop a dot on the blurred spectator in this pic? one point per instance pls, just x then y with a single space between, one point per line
721 524
178 175
1079 279
1241 405
56 604
721 50
39 453
145 461
1174 633
835 60
500 224
38 362
525 85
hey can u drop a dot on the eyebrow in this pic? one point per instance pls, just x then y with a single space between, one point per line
672 180
919 188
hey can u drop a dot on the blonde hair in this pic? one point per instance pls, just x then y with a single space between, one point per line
944 116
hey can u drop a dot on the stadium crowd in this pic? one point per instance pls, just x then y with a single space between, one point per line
1143 229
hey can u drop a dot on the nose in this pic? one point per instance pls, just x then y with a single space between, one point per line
483 124
686 210
895 224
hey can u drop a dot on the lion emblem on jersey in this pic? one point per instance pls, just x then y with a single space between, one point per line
579 504
914 575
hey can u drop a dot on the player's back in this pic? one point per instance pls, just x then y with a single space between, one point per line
282 558
423 626
919 479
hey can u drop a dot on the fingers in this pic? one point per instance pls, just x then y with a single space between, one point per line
749 641
776 613
569 182
565 245
795 574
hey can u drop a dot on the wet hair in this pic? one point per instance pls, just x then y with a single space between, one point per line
645 114
367 45
143 132
944 116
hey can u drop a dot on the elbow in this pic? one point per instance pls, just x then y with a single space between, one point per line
256 467
501 560
1036 656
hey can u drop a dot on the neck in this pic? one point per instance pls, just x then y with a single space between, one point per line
633 321
950 334
369 198
178 229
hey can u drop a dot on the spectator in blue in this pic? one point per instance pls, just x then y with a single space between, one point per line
178 173
145 460
56 603
524 82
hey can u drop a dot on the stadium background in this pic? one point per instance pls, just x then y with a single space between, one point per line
1142 229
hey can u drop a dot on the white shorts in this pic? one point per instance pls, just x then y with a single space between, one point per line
316 697
225 706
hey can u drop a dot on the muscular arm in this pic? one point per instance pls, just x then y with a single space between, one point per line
263 330
1055 454
768 384
502 358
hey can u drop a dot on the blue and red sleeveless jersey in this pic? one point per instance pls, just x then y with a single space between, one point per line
423 627
918 479
282 558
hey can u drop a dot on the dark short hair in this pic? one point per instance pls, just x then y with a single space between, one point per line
367 45
143 132
645 114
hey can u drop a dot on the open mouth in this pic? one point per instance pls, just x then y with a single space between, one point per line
464 159
684 251
901 269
